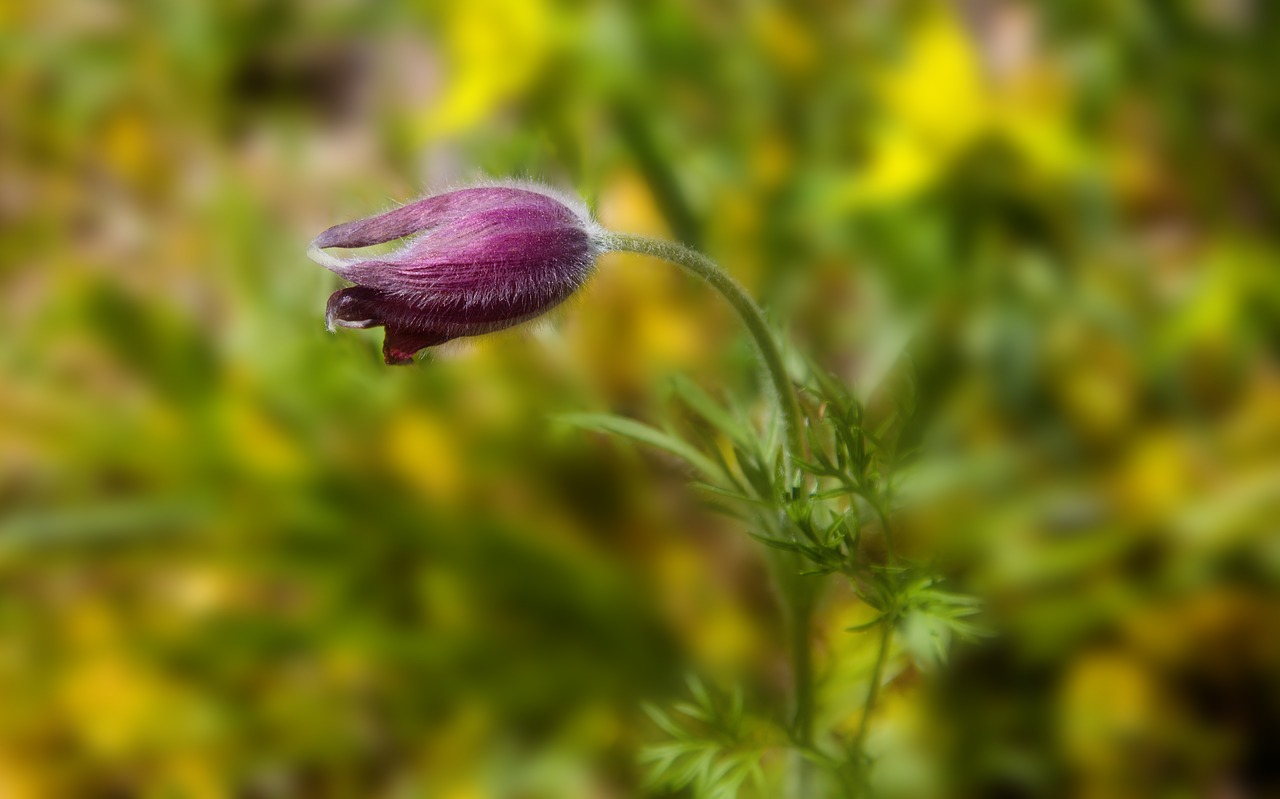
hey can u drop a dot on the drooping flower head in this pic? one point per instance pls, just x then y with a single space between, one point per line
474 261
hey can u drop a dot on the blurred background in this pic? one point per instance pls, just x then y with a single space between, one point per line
239 557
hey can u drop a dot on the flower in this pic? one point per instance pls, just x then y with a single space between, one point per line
476 260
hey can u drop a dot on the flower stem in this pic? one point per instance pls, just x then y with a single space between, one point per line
873 689
798 598
801 611
723 282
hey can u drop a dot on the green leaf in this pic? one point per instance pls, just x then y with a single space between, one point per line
109 520
728 493
692 711
858 628
718 417
663 721
699 692
637 431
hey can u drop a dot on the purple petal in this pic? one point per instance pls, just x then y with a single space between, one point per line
416 217
476 260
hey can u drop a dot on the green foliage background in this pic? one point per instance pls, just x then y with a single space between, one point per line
240 557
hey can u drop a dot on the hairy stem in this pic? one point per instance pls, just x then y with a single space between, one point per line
798 600
723 282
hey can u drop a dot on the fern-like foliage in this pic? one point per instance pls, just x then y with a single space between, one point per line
834 509
714 748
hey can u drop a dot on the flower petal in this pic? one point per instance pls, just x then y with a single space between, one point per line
356 307
473 261
416 217
402 343
361 307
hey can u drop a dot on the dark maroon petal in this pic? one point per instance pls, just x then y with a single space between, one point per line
356 307
401 344
360 307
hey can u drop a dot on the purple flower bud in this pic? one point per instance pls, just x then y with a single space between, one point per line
475 260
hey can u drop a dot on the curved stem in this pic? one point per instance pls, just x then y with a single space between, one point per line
723 282
798 605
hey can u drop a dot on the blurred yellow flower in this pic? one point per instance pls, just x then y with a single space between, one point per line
1109 701
129 146
900 166
711 621
637 302
265 447
937 91
626 203
423 452
117 706
495 50
1158 478
18 781
938 101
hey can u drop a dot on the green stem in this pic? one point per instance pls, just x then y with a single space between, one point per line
802 660
798 601
723 282
873 690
